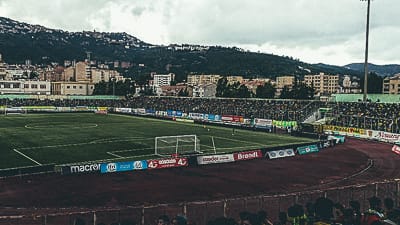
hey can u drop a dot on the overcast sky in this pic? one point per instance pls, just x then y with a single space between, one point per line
327 31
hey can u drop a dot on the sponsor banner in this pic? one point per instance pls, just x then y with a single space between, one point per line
167 163
150 111
101 112
247 122
349 131
307 149
337 138
123 166
238 119
80 108
140 165
326 144
230 118
123 110
210 117
196 116
211 159
281 153
284 124
86 168
184 120
161 113
396 149
173 113
262 122
340 139
247 155
383 136
226 118
141 111
217 118
63 109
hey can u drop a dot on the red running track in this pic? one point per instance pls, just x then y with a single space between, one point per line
327 168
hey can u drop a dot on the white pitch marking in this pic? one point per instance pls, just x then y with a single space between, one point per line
15 150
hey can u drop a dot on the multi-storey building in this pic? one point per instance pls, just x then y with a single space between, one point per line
160 80
25 87
205 90
202 79
391 85
3 67
323 84
234 79
72 88
285 81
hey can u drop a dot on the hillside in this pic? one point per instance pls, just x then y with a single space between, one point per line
21 41
381 70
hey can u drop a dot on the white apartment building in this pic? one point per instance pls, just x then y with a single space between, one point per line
25 87
162 79
205 91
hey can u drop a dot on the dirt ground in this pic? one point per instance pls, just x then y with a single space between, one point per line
262 176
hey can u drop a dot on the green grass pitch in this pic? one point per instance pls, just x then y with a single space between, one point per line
35 139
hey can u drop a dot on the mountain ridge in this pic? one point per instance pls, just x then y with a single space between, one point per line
21 41
387 70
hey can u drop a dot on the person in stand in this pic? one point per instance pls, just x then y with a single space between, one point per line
374 214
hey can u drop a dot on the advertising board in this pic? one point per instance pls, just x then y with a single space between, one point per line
123 166
85 168
281 153
167 163
248 155
396 149
212 159
307 149
262 122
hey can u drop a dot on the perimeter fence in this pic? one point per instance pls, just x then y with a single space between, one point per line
202 211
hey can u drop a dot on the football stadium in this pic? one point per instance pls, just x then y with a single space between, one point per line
199 161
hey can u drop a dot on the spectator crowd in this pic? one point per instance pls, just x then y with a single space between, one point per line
321 212
369 115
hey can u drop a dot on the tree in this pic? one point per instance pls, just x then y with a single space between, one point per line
221 87
302 91
374 85
122 88
265 91
285 93
243 92
100 88
33 75
183 92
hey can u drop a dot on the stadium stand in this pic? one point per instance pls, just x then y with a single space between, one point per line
369 115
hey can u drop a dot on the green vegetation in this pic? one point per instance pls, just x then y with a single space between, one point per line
68 138
57 46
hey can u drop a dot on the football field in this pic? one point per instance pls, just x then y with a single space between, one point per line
40 139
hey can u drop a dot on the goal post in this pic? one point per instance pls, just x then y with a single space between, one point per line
176 145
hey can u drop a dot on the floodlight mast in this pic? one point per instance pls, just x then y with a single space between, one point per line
366 53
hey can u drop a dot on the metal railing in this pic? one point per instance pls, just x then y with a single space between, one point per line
202 211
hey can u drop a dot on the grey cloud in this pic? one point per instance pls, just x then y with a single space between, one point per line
291 24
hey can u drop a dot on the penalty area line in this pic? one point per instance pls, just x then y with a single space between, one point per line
115 155
15 150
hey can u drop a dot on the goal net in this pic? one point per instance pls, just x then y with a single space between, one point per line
176 145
